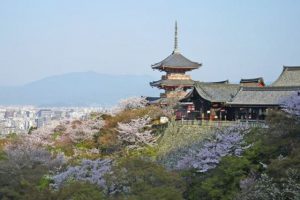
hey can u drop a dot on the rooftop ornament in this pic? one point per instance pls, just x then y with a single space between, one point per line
176 50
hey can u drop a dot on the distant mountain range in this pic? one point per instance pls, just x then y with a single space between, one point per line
78 89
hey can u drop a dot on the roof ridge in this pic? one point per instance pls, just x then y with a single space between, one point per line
217 83
294 68
270 88
291 67
251 78
221 82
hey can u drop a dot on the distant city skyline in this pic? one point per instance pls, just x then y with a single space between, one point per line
232 39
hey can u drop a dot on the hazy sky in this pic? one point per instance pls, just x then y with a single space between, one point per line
233 39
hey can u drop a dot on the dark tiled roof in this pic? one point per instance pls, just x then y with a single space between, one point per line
170 82
252 80
290 76
260 96
216 92
176 60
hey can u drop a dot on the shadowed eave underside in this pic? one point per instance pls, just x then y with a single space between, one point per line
171 83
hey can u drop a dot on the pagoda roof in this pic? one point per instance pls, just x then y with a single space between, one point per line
172 82
290 76
215 92
262 96
176 61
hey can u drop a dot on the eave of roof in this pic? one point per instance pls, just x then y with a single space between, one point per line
169 82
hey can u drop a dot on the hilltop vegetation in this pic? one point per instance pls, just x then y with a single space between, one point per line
126 153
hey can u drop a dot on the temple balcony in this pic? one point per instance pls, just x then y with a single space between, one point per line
176 77
221 124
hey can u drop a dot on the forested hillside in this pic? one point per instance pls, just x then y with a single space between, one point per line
127 153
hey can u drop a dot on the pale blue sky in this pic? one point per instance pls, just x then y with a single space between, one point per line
233 38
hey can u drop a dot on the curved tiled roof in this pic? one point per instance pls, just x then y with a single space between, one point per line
290 76
176 60
262 96
216 92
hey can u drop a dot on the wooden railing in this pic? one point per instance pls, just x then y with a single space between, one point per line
208 123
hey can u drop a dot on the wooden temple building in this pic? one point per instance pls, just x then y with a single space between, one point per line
175 82
250 99
207 101
225 101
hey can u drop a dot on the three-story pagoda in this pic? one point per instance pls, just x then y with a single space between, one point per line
175 82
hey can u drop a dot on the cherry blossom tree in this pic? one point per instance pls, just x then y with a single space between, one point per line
205 155
136 133
292 104
83 130
92 171
41 136
24 166
266 188
21 155
132 103
75 131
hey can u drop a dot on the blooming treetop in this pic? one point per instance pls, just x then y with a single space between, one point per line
292 104
23 155
132 103
135 133
205 155
75 131
92 171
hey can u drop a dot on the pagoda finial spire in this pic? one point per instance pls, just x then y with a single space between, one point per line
176 39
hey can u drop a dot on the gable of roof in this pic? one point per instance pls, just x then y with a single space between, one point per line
290 76
216 92
176 60
262 96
